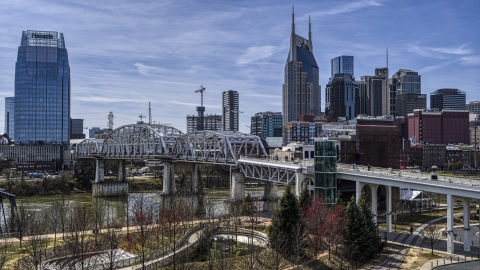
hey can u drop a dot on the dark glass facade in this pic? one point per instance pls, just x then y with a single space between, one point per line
9 116
42 89
342 64
325 165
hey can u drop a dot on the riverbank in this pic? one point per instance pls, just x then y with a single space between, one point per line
62 185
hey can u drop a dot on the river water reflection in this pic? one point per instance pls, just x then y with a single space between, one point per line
116 207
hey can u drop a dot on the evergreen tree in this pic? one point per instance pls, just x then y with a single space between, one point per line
304 200
285 219
360 235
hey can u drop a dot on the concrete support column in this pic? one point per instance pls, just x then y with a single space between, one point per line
196 178
99 170
237 193
450 236
389 207
358 190
168 178
466 224
374 189
269 192
298 183
120 170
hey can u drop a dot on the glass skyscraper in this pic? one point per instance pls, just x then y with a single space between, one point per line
342 64
9 116
42 89
301 88
448 98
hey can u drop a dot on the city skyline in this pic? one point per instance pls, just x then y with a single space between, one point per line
122 56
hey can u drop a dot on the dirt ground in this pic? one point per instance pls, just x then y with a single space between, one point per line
416 258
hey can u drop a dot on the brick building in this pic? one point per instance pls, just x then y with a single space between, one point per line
439 127
378 146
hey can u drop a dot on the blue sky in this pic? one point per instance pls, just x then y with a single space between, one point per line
124 54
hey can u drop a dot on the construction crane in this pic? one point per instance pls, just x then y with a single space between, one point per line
200 109
201 90
141 116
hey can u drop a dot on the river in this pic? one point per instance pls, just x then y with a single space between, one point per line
116 207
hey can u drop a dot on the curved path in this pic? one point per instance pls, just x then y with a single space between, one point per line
192 238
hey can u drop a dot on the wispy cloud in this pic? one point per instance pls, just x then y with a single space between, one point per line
435 67
194 104
439 52
347 8
147 70
99 99
255 53
471 59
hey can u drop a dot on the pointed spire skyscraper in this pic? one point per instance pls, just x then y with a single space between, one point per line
301 88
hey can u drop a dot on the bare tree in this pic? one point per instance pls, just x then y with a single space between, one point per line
77 239
98 215
36 242
432 234
299 241
23 218
272 257
109 243
143 214
53 216
5 246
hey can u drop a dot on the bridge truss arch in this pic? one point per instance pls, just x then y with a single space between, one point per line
140 141
88 148
218 146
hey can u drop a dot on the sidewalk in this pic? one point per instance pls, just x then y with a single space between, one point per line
414 241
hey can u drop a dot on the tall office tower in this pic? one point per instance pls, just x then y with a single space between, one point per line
364 95
342 64
342 97
301 89
473 106
266 124
91 132
407 82
447 98
407 103
9 116
379 93
42 89
230 110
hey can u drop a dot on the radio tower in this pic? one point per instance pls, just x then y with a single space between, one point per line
201 109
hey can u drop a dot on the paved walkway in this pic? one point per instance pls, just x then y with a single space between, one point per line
407 241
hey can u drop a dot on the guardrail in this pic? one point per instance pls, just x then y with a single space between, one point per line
402 176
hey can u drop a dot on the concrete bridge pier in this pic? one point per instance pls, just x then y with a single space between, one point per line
237 192
388 203
299 177
168 178
358 190
466 224
99 170
450 232
374 189
109 188
269 193
197 185
121 170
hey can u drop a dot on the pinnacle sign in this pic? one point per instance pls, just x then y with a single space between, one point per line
45 36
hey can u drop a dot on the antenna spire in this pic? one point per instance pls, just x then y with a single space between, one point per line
293 49
309 29
387 57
